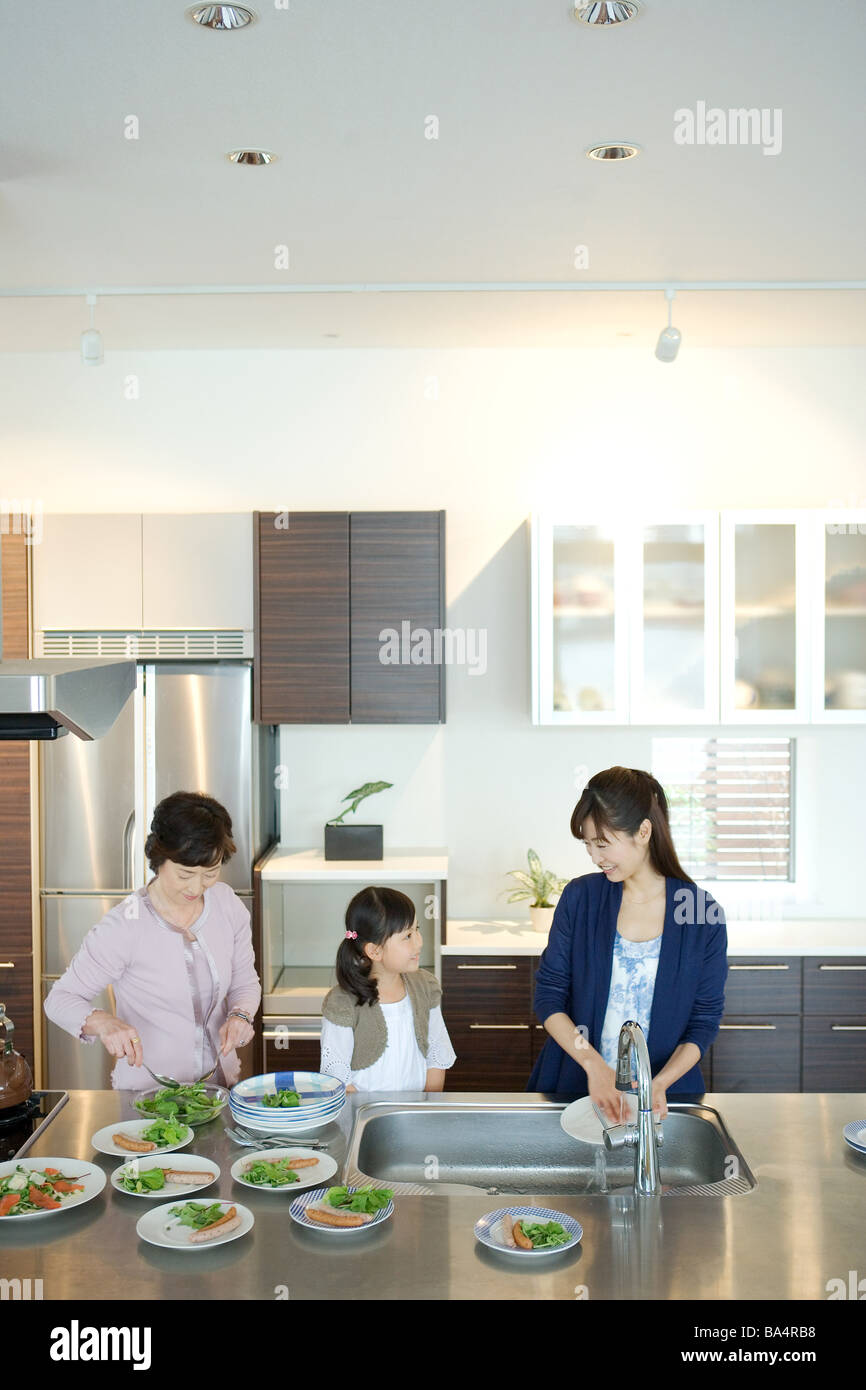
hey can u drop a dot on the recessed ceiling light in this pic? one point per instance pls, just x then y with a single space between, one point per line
621 151
606 12
251 156
222 16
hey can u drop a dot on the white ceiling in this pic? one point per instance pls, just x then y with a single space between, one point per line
341 91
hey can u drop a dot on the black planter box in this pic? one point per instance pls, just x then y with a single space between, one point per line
353 842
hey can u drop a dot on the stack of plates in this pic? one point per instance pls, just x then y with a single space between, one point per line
322 1099
855 1135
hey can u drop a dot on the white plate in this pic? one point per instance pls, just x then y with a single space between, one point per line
488 1229
583 1121
855 1135
104 1144
190 1163
307 1177
158 1227
266 1127
297 1211
92 1177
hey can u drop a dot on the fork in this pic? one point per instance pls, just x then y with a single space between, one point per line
264 1141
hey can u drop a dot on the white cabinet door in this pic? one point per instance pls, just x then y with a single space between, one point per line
198 571
580 634
87 573
674 619
839 627
766 568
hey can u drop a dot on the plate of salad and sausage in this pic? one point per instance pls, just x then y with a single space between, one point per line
283 1170
44 1186
151 1176
527 1231
136 1138
195 1225
343 1209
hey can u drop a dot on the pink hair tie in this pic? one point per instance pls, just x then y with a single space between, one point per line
352 935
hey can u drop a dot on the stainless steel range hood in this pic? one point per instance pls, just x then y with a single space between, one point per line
46 699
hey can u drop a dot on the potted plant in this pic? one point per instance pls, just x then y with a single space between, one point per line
539 886
355 841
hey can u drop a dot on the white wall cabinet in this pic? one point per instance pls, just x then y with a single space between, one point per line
128 573
197 571
733 617
87 573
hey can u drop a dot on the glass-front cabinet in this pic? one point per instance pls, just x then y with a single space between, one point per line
625 621
674 610
839 629
765 637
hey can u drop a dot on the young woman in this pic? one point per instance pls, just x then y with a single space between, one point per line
638 940
179 955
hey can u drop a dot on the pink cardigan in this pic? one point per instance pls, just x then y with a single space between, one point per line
143 959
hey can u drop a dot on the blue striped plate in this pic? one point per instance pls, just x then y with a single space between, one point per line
488 1229
855 1135
297 1211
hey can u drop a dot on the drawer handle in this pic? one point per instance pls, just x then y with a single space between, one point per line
842 967
848 1027
297 1037
487 967
748 1027
500 1027
759 967
7 965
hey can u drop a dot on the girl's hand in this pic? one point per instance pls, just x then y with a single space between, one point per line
602 1090
660 1100
118 1038
351 1090
235 1032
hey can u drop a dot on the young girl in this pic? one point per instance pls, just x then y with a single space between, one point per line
382 1027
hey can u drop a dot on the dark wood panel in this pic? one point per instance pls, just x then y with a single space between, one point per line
767 984
755 1053
834 984
302 618
487 989
16 921
489 1059
300 1054
834 1053
397 566
13 588
16 992
538 1039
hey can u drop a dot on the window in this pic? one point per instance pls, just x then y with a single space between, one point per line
730 805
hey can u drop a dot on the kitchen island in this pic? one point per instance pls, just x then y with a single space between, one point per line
801 1227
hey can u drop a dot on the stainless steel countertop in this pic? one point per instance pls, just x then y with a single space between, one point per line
803 1225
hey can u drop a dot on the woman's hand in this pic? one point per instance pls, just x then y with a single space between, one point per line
118 1038
660 1100
601 1080
235 1032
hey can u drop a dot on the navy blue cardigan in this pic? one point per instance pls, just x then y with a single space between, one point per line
574 978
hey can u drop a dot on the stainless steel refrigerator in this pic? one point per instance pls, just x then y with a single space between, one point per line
187 727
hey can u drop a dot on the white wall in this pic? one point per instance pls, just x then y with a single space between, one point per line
489 436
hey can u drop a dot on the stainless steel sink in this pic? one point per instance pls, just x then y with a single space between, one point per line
521 1148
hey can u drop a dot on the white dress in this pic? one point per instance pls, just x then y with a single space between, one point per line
402 1066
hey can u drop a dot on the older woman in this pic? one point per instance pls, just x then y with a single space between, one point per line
178 954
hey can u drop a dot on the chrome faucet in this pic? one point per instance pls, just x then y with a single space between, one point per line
643 1136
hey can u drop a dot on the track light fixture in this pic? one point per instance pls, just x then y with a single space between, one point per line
670 338
91 339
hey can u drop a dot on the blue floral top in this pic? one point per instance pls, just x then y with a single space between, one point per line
632 985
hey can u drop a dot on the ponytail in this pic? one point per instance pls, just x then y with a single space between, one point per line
372 916
621 799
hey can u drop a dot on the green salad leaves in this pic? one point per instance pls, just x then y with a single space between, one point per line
282 1100
546 1235
163 1132
364 1199
147 1180
198 1214
191 1104
273 1172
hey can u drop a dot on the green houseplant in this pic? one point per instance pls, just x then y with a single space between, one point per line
355 841
539 886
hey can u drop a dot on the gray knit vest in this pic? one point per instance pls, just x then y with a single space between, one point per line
367 1021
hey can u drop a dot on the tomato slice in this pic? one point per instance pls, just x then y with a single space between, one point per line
8 1202
39 1199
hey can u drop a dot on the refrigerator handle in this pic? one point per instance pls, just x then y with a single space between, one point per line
128 831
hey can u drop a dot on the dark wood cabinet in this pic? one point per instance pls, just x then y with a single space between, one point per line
328 585
292 1054
757 1053
834 1052
16 992
487 1006
763 985
834 984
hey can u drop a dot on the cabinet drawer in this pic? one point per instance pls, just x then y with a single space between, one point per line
834 984
834 1053
16 992
492 1058
755 1053
489 989
763 985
